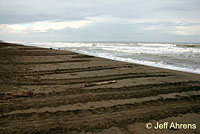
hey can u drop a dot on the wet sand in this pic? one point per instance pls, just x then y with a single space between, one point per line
75 93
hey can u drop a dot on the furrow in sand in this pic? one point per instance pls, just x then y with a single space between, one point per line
25 49
116 108
163 86
35 54
85 79
83 56
103 103
176 86
52 62
92 97
102 118
62 71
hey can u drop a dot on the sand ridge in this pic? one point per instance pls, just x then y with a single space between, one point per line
62 103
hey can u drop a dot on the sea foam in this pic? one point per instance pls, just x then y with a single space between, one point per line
182 57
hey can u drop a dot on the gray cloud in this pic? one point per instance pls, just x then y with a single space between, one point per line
115 32
163 18
23 11
104 32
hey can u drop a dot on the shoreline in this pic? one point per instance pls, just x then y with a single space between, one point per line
169 69
172 69
151 63
52 91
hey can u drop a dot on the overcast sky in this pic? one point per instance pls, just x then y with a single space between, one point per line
100 20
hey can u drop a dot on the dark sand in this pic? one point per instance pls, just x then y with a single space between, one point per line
74 93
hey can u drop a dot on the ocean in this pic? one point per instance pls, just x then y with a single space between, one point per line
175 56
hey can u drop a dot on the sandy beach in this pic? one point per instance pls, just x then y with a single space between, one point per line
47 91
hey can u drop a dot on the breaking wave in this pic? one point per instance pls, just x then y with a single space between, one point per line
182 57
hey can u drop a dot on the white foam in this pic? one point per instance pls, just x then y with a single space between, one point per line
143 62
128 52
